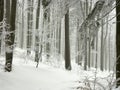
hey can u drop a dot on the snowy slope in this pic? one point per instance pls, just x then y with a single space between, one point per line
27 77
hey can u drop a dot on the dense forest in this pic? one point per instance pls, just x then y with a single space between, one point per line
73 35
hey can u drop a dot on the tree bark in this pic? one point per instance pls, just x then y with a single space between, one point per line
30 25
23 26
1 18
1 10
118 43
10 37
67 43
37 33
102 49
46 19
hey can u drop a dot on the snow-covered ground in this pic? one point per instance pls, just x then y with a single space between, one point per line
25 76
31 78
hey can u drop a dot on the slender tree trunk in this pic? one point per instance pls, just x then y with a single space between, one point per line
89 50
96 61
102 49
7 16
118 43
78 57
30 25
67 43
86 49
37 33
86 37
59 38
1 10
23 17
1 18
10 37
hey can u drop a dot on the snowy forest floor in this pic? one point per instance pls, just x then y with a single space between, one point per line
25 76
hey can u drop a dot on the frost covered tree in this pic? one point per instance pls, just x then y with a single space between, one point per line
42 27
30 25
46 20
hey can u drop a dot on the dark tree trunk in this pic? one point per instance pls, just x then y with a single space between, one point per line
37 33
59 38
7 16
118 43
67 43
10 37
86 49
1 17
102 49
1 9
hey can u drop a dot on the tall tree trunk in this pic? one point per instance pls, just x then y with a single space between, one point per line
10 36
23 17
67 43
7 16
86 49
102 49
37 33
46 15
59 38
118 43
86 37
1 18
89 50
1 10
30 25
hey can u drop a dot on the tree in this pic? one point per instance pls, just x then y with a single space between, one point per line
118 43
102 49
30 25
1 17
87 23
10 36
37 33
1 9
67 43
22 33
46 18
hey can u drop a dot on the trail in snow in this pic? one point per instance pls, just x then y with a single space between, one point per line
43 78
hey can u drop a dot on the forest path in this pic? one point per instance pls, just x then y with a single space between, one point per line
27 77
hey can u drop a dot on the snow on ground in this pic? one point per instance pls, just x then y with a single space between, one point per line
31 78
25 76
